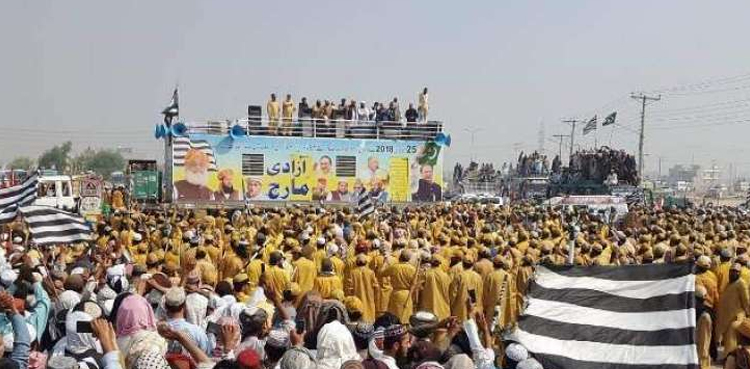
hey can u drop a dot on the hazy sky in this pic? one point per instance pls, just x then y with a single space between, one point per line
99 72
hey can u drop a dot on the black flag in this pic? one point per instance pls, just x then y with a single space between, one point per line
610 119
173 109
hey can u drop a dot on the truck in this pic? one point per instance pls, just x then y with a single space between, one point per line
144 181
57 191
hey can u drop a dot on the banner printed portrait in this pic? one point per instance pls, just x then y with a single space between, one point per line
217 168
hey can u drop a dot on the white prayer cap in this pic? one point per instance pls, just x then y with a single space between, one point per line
333 249
516 352
8 276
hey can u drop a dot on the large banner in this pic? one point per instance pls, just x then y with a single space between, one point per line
264 168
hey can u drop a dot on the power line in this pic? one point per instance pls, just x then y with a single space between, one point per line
703 84
702 125
677 121
710 106
703 92
605 106
627 129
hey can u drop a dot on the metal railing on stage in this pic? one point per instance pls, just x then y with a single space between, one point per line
328 128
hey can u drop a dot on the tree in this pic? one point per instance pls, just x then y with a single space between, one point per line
21 162
56 157
102 162
79 163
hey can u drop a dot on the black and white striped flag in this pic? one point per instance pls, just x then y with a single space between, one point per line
181 146
635 198
49 225
590 126
13 197
365 206
611 317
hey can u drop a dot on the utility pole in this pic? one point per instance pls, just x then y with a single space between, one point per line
472 131
660 167
572 123
541 138
561 137
643 98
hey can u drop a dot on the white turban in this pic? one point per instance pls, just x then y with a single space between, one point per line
333 249
115 276
516 352
8 276
67 300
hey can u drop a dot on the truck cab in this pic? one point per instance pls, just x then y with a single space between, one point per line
57 191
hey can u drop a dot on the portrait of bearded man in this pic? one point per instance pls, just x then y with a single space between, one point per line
226 189
194 187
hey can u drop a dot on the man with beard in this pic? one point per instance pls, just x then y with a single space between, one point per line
193 187
226 189
378 191
341 193
396 345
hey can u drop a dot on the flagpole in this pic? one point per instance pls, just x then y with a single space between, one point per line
168 159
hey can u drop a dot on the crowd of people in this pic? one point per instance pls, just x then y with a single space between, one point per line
422 287
327 115
482 172
601 165
533 165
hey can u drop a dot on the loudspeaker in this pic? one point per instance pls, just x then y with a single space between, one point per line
179 129
443 139
236 132
254 115
160 131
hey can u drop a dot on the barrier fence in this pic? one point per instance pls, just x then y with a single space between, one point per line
331 128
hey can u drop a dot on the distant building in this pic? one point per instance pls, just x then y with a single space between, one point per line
683 186
742 186
683 173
